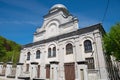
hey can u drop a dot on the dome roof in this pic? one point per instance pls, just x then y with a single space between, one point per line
57 6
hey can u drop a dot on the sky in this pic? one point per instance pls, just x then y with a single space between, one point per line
19 19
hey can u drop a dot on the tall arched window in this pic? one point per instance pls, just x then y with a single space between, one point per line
38 54
54 51
49 52
28 56
69 48
87 46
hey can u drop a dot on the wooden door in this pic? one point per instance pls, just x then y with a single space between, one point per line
38 72
47 71
69 71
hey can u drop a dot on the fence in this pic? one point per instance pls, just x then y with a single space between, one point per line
113 68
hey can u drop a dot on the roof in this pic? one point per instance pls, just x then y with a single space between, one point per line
57 6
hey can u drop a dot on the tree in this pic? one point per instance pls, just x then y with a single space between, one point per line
2 49
112 41
9 50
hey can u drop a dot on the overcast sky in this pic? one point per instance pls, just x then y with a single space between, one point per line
20 18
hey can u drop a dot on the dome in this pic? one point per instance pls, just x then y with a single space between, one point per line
57 6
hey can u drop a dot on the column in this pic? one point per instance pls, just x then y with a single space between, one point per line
54 70
33 71
19 69
8 69
82 70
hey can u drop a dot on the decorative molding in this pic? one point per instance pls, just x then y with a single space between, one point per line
11 76
94 42
37 79
20 63
26 78
54 62
32 63
67 35
10 63
82 62
80 45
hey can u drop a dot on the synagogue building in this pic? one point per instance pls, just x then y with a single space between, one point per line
61 50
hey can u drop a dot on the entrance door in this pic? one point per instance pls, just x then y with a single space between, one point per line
47 71
82 74
27 67
38 72
69 71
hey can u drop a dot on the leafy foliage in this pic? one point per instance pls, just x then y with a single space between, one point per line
9 50
112 41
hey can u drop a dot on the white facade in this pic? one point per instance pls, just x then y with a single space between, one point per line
62 51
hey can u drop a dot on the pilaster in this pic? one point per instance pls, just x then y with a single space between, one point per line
100 57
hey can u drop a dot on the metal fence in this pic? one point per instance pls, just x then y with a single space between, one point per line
113 68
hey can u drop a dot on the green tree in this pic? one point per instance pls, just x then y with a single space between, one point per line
9 50
112 41
2 49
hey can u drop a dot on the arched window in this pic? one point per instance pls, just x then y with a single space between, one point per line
87 46
69 48
54 51
49 52
28 56
38 54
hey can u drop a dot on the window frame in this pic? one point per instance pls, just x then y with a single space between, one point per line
28 55
49 52
38 54
69 49
87 46
54 51
90 63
